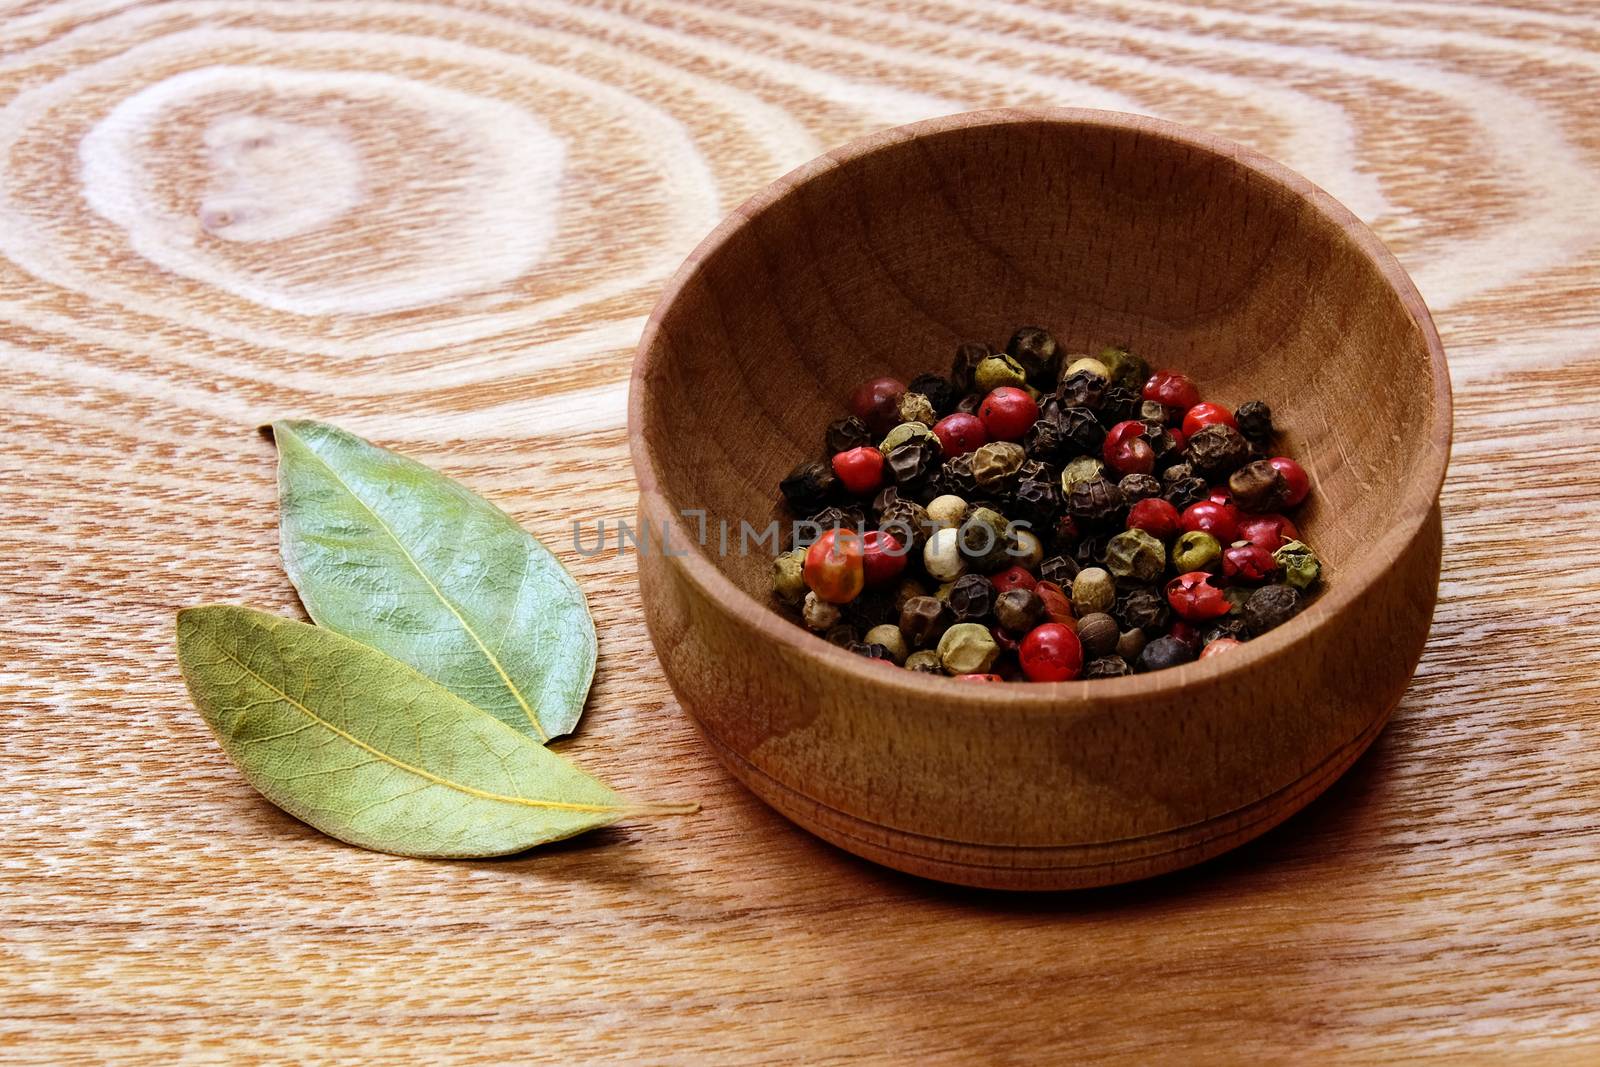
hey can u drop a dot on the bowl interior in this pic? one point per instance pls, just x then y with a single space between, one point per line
881 258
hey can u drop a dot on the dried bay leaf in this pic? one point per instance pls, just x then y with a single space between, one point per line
371 752
404 559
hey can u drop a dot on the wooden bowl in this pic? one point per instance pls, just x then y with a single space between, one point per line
879 258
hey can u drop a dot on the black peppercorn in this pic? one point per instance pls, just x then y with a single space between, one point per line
971 598
1095 501
1163 443
1217 450
1035 349
1098 633
940 393
958 477
1255 422
1033 470
847 433
1176 472
907 521
1185 491
1060 570
1116 405
1259 486
923 619
1018 610
1270 606
808 487
1229 626
1044 440
1081 389
970 403
843 635
1062 534
870 651
1153 411
1083 433
1106 667
1144 609
1036 501
1090 551
830 518
912 462
1164 652
968 356
1137 487
886 498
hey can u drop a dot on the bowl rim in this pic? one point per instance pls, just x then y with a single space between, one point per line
1080 693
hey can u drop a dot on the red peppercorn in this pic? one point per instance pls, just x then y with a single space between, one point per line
1206 413
1195 599
1182 631
1051 653
1219 646
979 678
1126 451
1180 439
1248 563
877 403
1172 389
1007 413
1220 494
960 433
883 557
1013 577
1154 516
860 470
1219 520
834 567
1057 604
1294 479
1007 643
1271 532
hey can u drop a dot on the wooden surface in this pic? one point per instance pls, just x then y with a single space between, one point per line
1093 225
168 281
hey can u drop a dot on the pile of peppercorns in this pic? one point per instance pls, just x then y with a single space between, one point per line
1044 516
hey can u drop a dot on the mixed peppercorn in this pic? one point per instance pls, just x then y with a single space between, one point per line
1043 516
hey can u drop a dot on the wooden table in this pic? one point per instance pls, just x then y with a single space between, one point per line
442 227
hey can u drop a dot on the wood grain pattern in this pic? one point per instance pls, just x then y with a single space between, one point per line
885 255
1438 901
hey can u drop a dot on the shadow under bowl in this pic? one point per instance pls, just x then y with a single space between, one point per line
879 258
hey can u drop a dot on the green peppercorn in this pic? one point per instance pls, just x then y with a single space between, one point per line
1258 486
1093 590
971 598
1127 370
1301 568
1136 554
1058 569
995 465
788 577
1130 644
1269 607
1098 634
1018 610
1236 596
1106 667
903 432
1196 550
889 636
819 615
967 648
914 407
1217 450
1143 608
987 540
1035 351
923 619
997 372
845 434
924 662
968 357
1082 469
